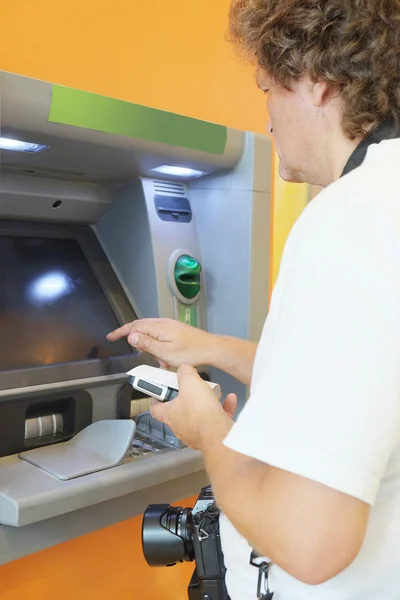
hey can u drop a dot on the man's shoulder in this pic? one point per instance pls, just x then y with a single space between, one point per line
347 219
370 189
354 193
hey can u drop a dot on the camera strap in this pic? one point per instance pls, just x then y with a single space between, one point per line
263 591
385 131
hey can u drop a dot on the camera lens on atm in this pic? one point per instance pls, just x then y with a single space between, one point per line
167 535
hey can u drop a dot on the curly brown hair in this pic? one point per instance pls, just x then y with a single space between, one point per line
354 45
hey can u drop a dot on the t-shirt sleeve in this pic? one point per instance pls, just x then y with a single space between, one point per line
324 402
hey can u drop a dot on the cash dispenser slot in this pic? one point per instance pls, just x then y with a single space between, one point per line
41 421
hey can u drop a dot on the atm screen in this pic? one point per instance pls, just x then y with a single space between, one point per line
52 308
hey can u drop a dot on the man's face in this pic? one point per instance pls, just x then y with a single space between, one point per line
293 126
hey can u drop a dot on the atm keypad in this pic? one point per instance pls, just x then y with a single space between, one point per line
143 447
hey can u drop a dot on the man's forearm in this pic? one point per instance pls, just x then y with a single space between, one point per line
233 356
239 484
237 481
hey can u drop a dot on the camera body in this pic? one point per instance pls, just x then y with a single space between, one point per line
175 534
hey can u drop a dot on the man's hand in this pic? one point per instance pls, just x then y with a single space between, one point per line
171 342
196 413
174 344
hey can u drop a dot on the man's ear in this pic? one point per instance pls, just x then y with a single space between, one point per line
322 93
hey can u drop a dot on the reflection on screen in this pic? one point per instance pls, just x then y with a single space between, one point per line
52 309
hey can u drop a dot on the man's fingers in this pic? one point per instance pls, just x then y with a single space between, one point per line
154 328
159 411
119 333
143 334
144 343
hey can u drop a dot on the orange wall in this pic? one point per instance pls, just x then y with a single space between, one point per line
169 55
104 565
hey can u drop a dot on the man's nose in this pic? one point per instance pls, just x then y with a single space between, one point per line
270 129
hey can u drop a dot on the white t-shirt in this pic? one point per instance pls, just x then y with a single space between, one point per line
325 394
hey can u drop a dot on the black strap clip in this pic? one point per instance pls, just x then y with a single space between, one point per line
263 573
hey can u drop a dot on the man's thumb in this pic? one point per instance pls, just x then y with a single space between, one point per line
185 374
230 405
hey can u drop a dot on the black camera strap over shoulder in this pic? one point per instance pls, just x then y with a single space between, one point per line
385 131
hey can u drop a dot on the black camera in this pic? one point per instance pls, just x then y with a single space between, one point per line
174 534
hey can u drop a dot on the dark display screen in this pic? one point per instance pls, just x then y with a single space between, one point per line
52 308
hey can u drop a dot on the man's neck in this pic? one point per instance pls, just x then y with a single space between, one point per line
338 157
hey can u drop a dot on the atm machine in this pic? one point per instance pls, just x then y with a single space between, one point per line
98 229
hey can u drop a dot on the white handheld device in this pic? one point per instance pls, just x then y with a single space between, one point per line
159 383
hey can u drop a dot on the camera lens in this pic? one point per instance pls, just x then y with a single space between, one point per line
167 535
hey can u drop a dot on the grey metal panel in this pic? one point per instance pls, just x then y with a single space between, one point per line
124 234
105 402
105 275
166 239
44 199
82 154
225 247
36 376
87 383
253 172
29 495
139 245
260 276
261 230
19 542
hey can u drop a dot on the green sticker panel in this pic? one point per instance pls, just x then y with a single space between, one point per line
188 314
107 115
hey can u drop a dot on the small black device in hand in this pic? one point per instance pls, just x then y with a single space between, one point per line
174 534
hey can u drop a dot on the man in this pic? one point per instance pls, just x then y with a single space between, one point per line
309 475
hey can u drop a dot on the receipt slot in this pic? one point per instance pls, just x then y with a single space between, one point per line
184 279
